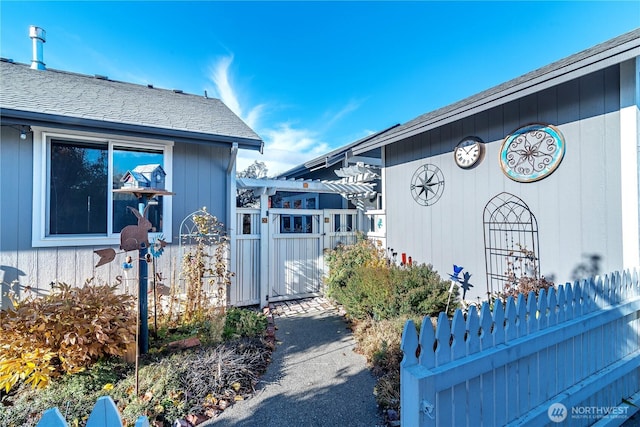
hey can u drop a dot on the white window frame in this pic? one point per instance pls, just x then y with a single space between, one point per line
41 172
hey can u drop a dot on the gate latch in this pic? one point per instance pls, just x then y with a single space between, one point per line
427 409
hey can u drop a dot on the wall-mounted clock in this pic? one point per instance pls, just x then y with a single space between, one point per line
469 152
427 184
532 152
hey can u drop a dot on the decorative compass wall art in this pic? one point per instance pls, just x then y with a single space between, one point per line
427 184
532 152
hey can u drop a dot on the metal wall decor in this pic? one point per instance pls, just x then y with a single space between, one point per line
427 184
510 240
532 152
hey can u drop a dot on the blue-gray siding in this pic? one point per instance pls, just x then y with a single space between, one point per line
578 207
199 179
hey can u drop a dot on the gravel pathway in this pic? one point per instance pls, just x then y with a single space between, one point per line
315 377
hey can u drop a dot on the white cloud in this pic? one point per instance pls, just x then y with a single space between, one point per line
221 78
285 148
352 105
286 145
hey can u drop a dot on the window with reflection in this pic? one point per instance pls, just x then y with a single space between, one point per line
77 190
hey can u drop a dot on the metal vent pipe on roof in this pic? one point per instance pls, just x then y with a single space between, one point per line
38 36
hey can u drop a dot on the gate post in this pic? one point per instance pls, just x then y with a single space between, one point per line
264 249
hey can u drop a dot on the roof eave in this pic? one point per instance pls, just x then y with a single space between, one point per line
12 116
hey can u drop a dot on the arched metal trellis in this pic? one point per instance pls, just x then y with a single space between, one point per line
510 241
204 255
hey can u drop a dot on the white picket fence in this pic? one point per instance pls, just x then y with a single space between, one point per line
568 357
104 414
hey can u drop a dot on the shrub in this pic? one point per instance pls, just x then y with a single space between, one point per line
379 342
74 395
200 381
63 332
344 259
244 323
419 290
207 329
383 291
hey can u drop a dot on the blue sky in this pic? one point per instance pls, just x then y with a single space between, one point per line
309 77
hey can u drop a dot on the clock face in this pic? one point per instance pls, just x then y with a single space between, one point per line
532 152
468 152
427 185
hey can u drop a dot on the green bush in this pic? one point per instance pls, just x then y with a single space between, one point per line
344 259
380 297
419 290
367 286
244 323
391 291
74 395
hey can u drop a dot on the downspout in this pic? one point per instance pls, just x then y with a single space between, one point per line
232 220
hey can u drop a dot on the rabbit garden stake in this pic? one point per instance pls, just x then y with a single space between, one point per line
134 237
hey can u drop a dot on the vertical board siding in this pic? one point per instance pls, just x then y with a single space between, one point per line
13 203
526 356
199 179
578 206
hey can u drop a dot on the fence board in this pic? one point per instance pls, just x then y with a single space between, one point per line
473 326
427 341
486 321
511 318
458 332
52 418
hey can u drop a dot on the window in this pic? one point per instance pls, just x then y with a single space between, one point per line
74 175
78 188
125 160
296 224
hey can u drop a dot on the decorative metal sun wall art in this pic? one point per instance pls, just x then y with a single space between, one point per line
532 152
427 184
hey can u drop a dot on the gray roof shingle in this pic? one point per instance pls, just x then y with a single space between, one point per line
52 95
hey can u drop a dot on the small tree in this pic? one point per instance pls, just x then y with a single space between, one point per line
245 197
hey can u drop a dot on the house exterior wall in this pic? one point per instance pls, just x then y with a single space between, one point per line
578 207
199 179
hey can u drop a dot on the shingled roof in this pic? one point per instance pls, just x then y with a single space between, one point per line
611 52
81 102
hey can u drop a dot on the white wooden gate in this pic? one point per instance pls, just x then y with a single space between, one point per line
294 250
295 253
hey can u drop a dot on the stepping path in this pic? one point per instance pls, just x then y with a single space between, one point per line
314 379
